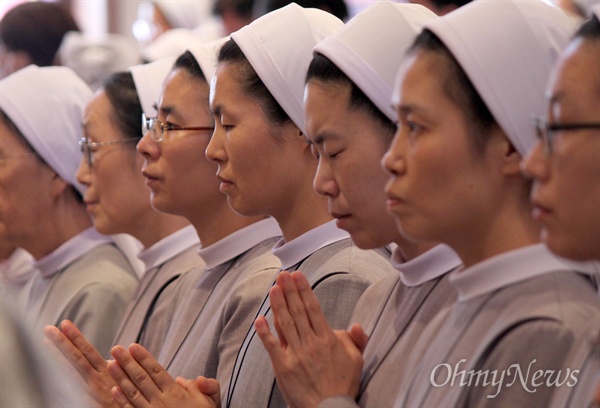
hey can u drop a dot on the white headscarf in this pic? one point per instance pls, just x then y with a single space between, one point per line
148 79
206 56
185 14
279 47
46 104
507 49
370 48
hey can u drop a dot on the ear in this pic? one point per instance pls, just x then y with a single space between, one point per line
57 184
511 158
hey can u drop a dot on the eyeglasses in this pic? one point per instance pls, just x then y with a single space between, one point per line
5 159
88 148
547 131
152 124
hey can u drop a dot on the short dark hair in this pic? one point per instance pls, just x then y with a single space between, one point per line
251 83
459 88
324 70
126 107
36 28
589 30
187 62
242 8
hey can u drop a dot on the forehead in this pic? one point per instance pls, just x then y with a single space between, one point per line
576 80
9 139
421 73
179 85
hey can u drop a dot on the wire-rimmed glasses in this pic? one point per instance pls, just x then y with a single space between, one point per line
546 132
88 148
152 125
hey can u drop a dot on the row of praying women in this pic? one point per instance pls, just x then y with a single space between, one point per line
398 211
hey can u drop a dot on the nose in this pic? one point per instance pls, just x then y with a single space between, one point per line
393 160
147 147
84 172
324 183
536 163
215 150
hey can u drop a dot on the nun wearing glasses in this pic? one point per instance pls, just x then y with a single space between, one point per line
81 275
120 202
565 166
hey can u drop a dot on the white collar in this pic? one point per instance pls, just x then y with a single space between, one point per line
429 265
239 242
169 247
504 270
69 251
18 268
291 253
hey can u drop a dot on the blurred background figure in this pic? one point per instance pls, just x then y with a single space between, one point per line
338 8
96 57
441 7
31 33
165 28
234 14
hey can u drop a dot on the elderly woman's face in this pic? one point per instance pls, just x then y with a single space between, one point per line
566 191
25 188
116 197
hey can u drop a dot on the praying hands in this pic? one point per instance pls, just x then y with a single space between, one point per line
311 361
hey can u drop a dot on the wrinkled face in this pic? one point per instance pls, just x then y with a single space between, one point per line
25 188
566 190
181 180
440 189
116 197
260 165
349 144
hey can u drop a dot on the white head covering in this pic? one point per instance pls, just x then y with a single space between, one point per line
206 56
595 10
148 79
279 47
507 49
95 57
371 56
171 43
185 14
47 104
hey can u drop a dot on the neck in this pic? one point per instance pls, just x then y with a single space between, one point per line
158 226
66 221
219 224
510 229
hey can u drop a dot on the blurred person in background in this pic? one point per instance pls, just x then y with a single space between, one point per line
31 33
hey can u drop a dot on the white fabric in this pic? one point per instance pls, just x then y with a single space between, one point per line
427 266
595 10
371 57
46 104
185 14
291 253
95 57
171 43
148 79
516 266
239 242
206 56
69 251
131 248
279 47
163 250
507 49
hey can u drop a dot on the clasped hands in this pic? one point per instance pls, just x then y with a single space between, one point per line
311 361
